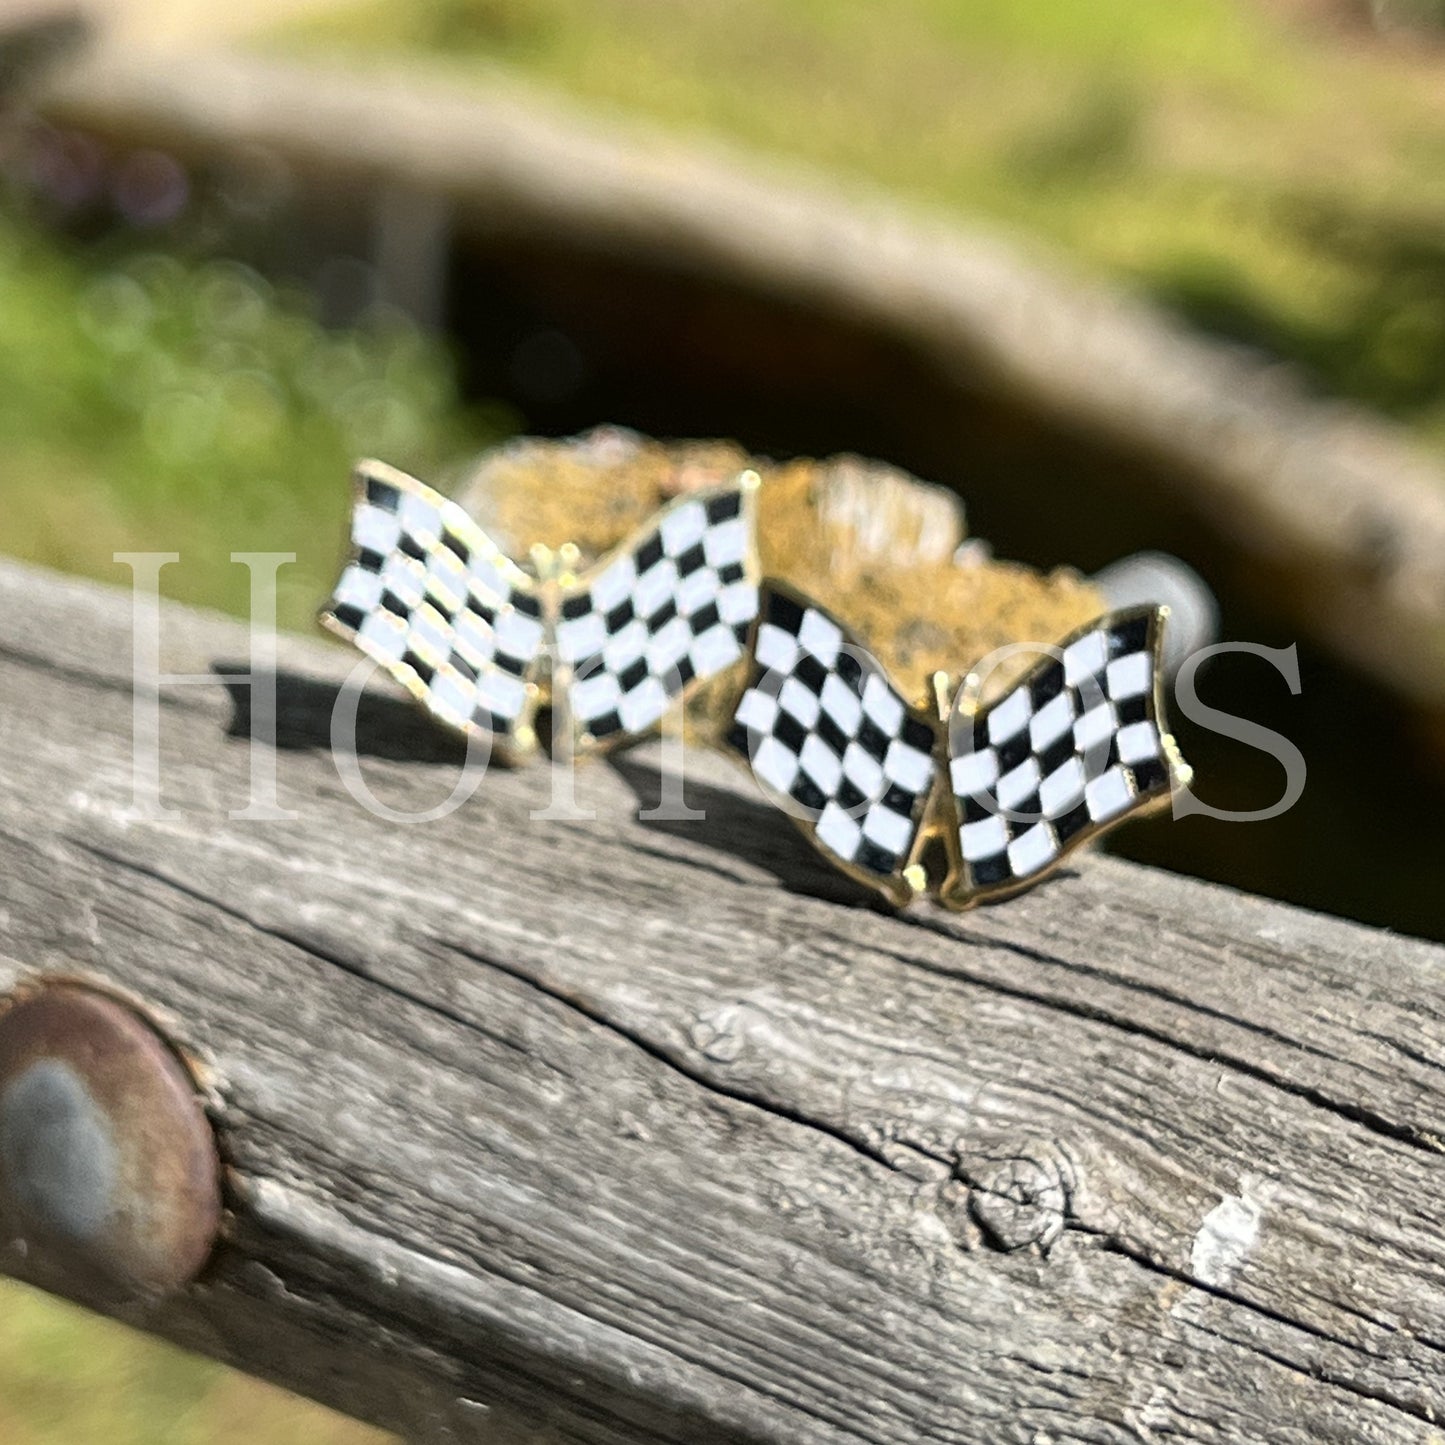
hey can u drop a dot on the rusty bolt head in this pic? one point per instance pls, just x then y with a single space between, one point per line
108 1164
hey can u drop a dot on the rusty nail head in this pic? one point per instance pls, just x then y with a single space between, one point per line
108 1164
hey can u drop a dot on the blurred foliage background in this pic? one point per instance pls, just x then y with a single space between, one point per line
68 1378
1273 170
152 401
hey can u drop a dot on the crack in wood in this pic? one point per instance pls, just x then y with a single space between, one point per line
1115 1245
1366 1118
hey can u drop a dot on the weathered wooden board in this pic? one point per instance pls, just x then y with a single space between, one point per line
1334 503
605 1131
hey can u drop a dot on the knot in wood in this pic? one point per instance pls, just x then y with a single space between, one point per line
1023 1199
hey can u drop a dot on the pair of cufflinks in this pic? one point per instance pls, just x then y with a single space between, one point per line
967 795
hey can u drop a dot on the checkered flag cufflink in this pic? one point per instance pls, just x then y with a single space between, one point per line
985 801
831 741
966 800
429 596
666 611
1075 747
481 642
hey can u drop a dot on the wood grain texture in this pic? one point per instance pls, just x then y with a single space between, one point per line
617 1131
1338 504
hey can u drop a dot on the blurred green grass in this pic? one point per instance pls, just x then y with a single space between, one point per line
69 1379
1278 184
155 404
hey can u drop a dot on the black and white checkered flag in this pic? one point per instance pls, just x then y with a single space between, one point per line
432 599
657 615
876 784
834 744
429 596
1073 748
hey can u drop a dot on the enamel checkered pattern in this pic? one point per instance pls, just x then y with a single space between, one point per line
675 608
1074 747
822 727
429 597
